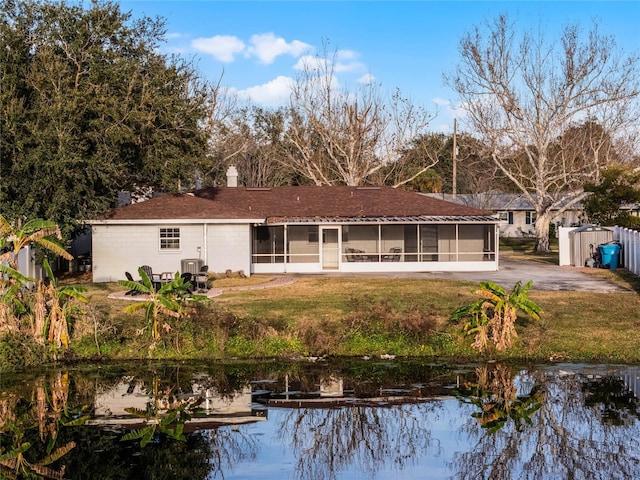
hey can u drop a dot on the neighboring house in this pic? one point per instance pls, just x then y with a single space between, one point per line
516 214
305 229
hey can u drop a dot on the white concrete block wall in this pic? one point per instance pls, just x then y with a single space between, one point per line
229 248
121 248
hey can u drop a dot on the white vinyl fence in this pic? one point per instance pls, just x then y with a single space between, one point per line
630 253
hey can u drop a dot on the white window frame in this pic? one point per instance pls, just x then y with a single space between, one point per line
506 217
169 239
530 217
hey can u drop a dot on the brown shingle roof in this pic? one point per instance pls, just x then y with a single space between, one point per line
292 203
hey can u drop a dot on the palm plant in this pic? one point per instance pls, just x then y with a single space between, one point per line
14 237
492 318
54 308
169 299
11 302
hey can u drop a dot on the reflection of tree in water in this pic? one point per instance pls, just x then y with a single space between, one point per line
228 447
23 453
612 400
497 399
369 437
566 440
101 455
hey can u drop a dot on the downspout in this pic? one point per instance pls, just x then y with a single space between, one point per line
204 241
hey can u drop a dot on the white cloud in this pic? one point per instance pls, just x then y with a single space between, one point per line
308 61
367 79
174 35
446 113
222 47
274 93
345 61
267 47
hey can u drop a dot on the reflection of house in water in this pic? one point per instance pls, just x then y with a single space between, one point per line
210 410
631 379
331 386
332 394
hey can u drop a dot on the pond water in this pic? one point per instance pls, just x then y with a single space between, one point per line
375 419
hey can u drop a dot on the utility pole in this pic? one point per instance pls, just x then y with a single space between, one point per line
454 159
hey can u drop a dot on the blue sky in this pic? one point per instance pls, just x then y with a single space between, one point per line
401 44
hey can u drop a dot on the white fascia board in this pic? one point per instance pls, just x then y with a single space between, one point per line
182 221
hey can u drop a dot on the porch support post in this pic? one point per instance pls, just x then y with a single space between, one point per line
285 260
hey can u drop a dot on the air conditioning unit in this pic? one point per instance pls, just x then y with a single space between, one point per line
191 265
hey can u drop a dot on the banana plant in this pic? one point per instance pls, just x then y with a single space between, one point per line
160 419
168 300
492 318
14 237
53 309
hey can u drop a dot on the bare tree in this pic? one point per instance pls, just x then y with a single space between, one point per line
345 137
225 130
523 94
259 164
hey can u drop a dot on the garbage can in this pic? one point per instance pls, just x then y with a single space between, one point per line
609 253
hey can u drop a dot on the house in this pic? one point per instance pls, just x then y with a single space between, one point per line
517 215
306 229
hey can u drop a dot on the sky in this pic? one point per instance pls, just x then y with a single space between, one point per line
256 48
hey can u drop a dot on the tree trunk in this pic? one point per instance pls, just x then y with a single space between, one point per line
542 232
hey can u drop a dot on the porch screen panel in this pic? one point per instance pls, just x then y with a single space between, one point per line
302 244
268 244
392 242
428 243
361 244
489 242
410 233
447 243
471 243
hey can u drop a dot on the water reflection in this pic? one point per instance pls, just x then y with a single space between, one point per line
496 395
330 421
569 436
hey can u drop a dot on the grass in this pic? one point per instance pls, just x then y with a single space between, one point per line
349 316
342 316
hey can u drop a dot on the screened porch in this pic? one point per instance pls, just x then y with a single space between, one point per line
370 246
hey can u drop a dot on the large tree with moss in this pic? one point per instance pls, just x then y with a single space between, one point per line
89 107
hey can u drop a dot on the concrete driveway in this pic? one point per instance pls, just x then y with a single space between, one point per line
545 276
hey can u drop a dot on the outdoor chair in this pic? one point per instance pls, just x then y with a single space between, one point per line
187 277
393 255
354 255
201 278
155 278
133 291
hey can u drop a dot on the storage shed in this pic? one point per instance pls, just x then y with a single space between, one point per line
584 241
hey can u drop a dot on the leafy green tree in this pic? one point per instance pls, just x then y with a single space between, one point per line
619 186
90 107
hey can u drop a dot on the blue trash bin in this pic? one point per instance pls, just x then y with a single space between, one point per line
609 253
